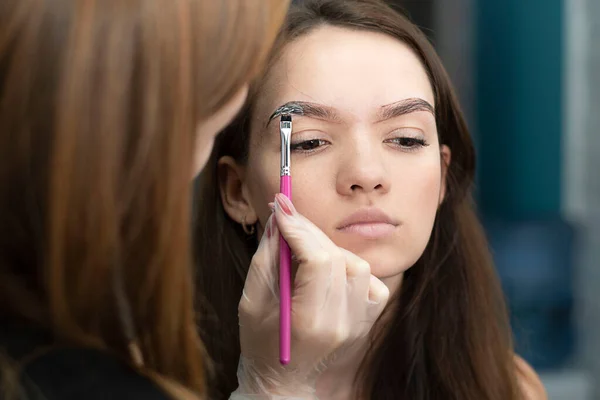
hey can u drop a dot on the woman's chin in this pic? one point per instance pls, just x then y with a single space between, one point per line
389 268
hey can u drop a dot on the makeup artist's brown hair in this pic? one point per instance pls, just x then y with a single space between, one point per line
99 105
449 337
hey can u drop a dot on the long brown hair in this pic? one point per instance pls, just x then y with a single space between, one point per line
99 104
448 337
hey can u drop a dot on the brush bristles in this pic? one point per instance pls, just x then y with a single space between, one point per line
286 118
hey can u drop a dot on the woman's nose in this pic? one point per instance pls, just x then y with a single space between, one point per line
363 171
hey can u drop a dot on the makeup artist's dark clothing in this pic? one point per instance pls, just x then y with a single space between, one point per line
71 373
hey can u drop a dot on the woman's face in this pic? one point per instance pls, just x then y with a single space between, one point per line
367 167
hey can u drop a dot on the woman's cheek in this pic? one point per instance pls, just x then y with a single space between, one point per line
264 185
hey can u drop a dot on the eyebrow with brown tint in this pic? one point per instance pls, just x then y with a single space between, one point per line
403 107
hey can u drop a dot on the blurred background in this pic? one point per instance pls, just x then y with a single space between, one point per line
528 75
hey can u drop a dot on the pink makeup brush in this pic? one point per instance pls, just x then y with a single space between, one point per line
285 256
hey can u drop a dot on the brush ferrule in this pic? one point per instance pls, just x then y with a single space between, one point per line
285 130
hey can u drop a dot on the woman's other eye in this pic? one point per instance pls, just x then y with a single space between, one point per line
408 143
307 146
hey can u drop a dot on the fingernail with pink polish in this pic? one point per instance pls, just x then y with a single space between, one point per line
284 204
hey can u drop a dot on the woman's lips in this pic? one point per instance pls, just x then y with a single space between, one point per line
370 230
369 223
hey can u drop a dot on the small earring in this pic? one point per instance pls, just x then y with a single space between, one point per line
248 229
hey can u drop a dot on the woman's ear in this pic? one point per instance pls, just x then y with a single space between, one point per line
234 191
445 159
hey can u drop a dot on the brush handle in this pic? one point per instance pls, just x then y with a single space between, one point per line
285 285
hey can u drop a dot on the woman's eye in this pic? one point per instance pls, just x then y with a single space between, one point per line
308 145
408 143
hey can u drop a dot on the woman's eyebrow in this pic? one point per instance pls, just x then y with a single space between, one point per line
330 114
308 109
404 107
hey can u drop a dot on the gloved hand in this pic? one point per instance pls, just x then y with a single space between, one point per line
335 302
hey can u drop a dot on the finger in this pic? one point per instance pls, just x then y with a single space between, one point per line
320 263
308 247
358 276
362 281
292 224
260 288
379 295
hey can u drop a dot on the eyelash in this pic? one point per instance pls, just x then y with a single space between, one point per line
407 143
297 147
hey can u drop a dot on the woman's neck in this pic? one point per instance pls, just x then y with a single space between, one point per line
393 283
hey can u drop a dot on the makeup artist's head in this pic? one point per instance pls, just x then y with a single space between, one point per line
383 163
107 110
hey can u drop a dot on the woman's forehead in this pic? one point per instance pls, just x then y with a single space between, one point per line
350 70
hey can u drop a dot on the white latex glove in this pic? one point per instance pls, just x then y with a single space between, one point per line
335 302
